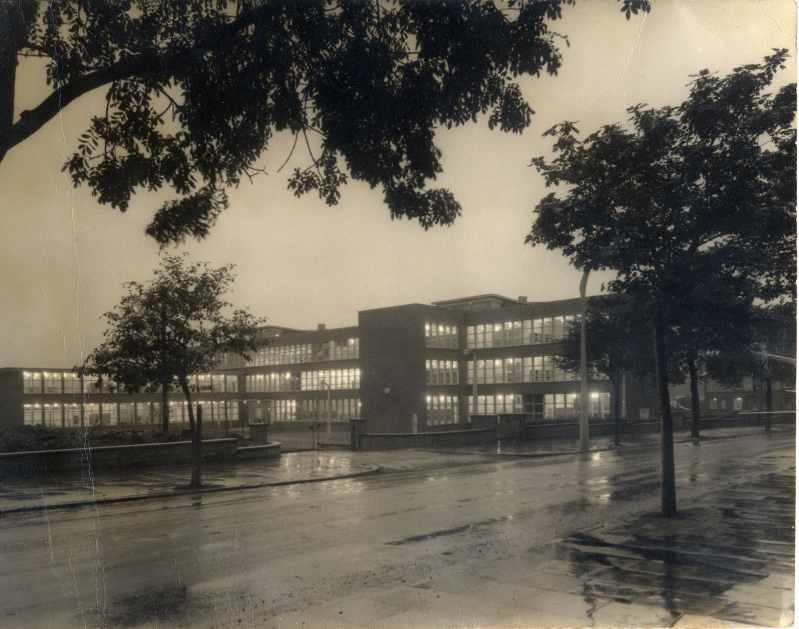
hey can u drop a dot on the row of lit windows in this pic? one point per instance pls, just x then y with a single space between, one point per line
498 404
113 414
340 350
214 383
339 409
214 411
721 404
441 409
268 411
527 369
442 335
57 382
567 405
523 332
347 349
441 371
330 379
272 382
282 355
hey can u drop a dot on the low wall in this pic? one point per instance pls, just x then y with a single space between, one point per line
99 457
444 439
261 451
570 430
299 435
597 429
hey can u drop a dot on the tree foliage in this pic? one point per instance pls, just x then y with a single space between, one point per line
195 90
176 325
708 184
617 339
686 204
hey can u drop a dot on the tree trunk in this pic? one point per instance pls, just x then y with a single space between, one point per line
196 437
668 488
769 403
694 378
8 78
196 451
617 407
16 18
164 407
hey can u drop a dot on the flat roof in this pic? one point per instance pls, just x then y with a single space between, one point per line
485 296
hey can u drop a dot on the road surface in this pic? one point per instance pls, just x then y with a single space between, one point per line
488 542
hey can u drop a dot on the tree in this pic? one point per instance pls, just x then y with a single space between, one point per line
617 344
707 184
716 316
196 89
773 331
175 326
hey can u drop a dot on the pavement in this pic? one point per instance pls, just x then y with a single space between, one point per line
69 490
455 542
554 447
88 487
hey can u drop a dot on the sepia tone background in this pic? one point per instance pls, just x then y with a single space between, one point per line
299 262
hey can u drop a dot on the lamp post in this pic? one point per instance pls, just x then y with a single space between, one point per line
328 429
473 354
584 436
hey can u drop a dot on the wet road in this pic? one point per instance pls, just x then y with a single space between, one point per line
557 541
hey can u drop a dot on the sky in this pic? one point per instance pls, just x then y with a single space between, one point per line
299 262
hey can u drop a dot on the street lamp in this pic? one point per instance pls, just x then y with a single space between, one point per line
584 436
328 430
473 354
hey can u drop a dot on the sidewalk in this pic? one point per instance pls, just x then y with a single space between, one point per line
556 447
88 487
726 560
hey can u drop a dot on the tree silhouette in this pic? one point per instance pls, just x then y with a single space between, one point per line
175 326
196 89
707 186
617 341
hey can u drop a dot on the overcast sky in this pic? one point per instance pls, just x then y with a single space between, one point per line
300 262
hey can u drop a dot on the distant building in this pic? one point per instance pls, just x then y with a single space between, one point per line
402 369
750 395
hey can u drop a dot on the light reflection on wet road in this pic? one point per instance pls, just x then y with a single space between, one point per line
563 540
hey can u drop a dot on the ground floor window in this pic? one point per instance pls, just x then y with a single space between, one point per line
72 414
498 404
91 414
567 405
127 413
337 409
441 409
52 415
232 410
110 415
32 414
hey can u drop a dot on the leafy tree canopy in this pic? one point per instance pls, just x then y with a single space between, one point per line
681 190
196 89
176 325
617 339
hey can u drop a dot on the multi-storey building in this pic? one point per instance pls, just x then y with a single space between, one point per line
410 368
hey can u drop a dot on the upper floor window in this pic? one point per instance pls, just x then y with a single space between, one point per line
52 382
32 382
522 332
71 383
441 335
441 371
319 380
344 349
